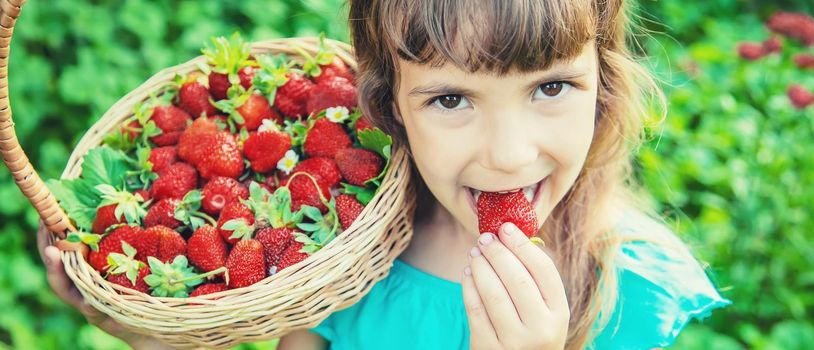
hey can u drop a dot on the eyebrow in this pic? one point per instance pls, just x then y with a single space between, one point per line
442 88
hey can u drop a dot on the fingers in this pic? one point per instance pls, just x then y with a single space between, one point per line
518 282
539 265
496 299
481 332
62 285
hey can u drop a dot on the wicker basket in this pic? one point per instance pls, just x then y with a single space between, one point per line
298 297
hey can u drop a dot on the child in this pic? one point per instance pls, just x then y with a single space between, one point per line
497 96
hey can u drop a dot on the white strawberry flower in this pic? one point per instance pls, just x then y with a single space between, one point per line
288 162
268 125
337 114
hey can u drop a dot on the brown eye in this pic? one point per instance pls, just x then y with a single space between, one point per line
449 103
555 89
552 89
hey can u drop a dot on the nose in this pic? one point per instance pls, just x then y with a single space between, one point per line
510 145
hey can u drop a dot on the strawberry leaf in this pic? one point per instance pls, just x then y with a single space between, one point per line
363 194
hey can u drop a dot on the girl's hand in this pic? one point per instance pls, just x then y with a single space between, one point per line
514 295
65 289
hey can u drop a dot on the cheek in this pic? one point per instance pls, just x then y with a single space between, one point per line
439 155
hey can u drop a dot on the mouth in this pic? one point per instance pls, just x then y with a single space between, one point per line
531 192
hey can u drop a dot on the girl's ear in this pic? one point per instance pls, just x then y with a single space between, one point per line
396 113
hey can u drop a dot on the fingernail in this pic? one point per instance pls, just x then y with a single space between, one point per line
509 228
474 252
486 238
467 271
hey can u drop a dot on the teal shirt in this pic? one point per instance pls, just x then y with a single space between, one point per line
661 289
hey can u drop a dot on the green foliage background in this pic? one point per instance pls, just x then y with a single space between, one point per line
731 166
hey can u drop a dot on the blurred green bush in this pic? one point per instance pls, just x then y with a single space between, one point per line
732 165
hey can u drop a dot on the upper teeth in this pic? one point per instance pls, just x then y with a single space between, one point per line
527 191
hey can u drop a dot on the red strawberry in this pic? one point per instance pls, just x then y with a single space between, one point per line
160 242
800 97
804 61
189 145
274 241
132 129
246 264
219 83
172 121
194 98
206 249
324 170
794 25
348 209
234 211
122 280
163 213
325 138
220 157
255 110
145 194
751 51
333 92
772 45
337 68
264 149
112 243
105 217
358 165
291 98
363 124
174 182
494 209
221 191
291 256
208 288
304 192
163 157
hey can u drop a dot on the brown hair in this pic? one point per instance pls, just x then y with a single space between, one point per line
526 35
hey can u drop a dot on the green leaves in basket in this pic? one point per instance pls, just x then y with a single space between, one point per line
188 211
377 141
127 204
174 279
271 75
142 175
322 229
124 263
80 197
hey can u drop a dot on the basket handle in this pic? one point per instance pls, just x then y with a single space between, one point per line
24 174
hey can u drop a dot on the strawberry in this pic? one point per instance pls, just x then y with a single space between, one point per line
145 194
220 157
324 170
333 92
800 97
494 209
208 288
162 157
163 213
291 255
172 121
189 144
246 264
175 279
122 280
206 249
112 243
174 182
772 45
221 191
194 99
337 68
325 138
126 270
234 211
274 241
219 83
363 124
129 207
105 218
358 165
804 61
304 192
264 149
751 51
348 209
292 97
255 110
160 242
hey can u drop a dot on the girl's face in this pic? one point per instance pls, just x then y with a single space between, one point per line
481 132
